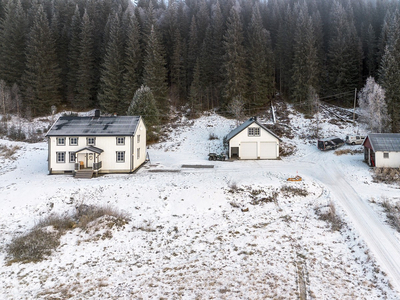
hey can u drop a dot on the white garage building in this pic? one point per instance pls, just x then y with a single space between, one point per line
251 140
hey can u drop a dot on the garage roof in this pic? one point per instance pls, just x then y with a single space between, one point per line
389 142
246 124
94 126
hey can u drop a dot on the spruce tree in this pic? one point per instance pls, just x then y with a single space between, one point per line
143 104
155 72
195 92
13 34
178 78
234 59
345 54
218 29
73 56
389 72
85 85
41 80
305 69
111 81
261 61
133 60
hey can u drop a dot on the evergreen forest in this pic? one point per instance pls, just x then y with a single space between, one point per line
202 54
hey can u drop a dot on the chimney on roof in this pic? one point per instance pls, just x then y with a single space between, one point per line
255 119
97 113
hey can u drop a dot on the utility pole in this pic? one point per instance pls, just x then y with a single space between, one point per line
354 110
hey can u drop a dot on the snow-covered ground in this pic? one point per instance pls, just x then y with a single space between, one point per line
234 231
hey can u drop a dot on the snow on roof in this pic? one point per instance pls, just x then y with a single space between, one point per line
385 141
246 124
94 126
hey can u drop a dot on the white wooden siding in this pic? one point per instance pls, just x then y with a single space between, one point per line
108 158
246 151
392 162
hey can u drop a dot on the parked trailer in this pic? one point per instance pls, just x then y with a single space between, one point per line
330 143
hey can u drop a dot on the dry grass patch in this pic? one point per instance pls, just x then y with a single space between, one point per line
8 152
393 213
290 191
328 214
348 151
44 237
387 175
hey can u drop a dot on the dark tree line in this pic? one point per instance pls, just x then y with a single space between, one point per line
203 53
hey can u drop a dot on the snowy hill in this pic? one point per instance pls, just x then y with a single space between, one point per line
238 230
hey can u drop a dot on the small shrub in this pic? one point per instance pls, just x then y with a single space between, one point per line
212 136
88 213
348 151
32 246
16 134
60 223
393 213
293 191
45 235
8 152
330 216
387 175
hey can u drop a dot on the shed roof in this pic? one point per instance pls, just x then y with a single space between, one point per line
94 126
384 141
246 124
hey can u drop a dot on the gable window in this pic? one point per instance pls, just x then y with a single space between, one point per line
253 131
138 153
61 141
120 156
91 141
120 141
60 157
385 155
72 157
73 141
138 138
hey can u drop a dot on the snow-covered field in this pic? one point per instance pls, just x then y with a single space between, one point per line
234 231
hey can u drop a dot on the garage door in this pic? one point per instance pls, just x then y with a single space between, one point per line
268 150
248 150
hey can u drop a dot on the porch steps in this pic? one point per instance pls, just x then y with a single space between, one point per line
85 173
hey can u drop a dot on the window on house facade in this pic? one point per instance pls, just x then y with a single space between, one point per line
91 141
120 156
138 138
61 141
138 153
72 157
253 131
60 157
120 141
73 141
385 155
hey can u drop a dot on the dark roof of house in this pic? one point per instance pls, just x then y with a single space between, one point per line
246 124
91 149
94 126
384 141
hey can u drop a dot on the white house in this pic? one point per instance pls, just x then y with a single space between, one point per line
103 144
251 140
382 150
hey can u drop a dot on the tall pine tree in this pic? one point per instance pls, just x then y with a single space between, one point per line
234 59
110 94
261 61
85 85
155 72
389 72
41 80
